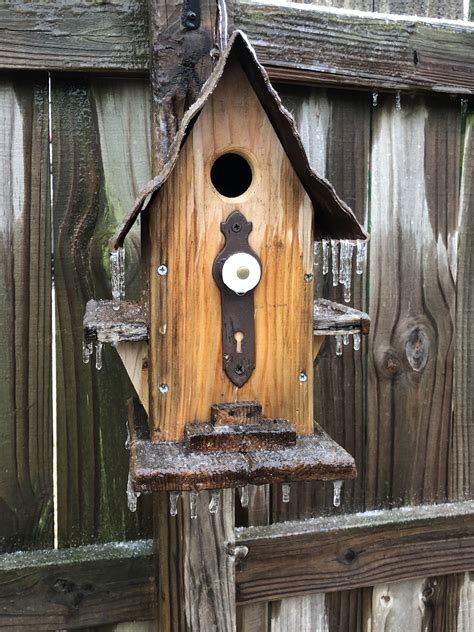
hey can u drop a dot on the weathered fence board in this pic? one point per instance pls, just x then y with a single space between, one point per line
366 51
444 9
341 552
26 489
84 586
101 157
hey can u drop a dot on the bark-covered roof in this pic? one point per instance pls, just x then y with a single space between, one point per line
333 217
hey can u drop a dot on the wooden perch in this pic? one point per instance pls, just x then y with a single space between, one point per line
331 319
172 466
103 322
111 321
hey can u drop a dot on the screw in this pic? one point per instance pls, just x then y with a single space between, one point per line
162 270
303 377
239 369
190 15
308 277
164 388
236 227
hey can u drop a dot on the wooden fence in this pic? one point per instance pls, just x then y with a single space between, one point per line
394 133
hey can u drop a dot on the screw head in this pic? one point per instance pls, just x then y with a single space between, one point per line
303 377
236 227
162 270
243 272
164 388
308 277
239 369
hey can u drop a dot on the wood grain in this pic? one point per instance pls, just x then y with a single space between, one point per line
84 586
101 155
359 50
25 317
74 35
282 228
450 10
330 554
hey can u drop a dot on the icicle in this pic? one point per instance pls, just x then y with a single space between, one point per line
337 493
98 355
398 101
360 255
335 261
316 251
174 497
87 351
132 495
128 439
117 273
345 339
356 342
345 269
375 98
193 498
325 248
338 345
244 496
285 492
215 500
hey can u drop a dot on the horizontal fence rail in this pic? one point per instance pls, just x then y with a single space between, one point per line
295 42
350 551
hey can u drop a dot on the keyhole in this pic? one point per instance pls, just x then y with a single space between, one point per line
239 336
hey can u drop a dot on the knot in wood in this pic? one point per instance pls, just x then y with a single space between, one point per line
348 556
417 348
391 363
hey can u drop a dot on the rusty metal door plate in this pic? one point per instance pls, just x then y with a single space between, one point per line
237 271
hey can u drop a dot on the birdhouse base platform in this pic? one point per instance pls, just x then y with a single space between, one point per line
222 456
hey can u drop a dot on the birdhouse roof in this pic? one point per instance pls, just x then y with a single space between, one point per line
333 217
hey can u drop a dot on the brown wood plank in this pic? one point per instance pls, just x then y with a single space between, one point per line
101 156
26 493
412 301
74 36
367 51
353 50
443 9
335 553
84 586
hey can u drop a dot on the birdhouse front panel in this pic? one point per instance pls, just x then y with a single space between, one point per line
232 187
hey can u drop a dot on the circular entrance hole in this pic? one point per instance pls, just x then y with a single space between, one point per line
231 175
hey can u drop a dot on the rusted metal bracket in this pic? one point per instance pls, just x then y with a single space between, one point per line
238 324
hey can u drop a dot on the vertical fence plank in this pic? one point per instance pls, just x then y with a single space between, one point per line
335 129
26 503
101 158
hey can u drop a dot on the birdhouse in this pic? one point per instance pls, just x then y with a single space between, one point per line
221 351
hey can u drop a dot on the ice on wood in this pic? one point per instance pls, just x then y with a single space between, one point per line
338 345
193 498
174 497
356 342
337 493
285 492
398 101
98 355
117 273
215 500
132 495
375 98
345 269
244 496
325 249
87 351
335 261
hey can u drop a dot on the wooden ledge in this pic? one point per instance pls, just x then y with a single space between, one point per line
172 466
335 319
129 323
111 321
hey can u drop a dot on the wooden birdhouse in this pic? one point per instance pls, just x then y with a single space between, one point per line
221 351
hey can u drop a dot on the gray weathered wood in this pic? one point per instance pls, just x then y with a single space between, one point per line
443 9
74 36
367 51
101 155
26 489
353 50
83 586
330 554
